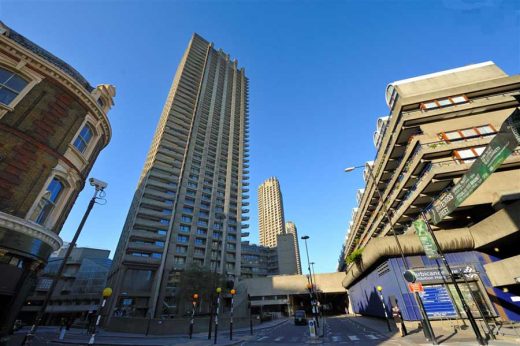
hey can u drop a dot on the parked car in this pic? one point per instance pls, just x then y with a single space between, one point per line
266 316
300 318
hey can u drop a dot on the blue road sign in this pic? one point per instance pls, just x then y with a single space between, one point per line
437 302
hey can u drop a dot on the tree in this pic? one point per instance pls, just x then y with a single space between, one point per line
355 256
196 279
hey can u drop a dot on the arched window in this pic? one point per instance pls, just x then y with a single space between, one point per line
48 201
83 138
11 85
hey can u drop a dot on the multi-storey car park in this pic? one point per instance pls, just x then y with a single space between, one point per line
438 125
189 205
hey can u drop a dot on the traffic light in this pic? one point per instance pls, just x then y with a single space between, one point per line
230 284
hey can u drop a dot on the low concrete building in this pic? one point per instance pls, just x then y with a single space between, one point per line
283 294
77 293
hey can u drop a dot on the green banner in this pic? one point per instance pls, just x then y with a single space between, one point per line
421 229
500 147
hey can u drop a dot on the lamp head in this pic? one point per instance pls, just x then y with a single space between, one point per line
305 237
233 292
379 288
219 289
195 296
107 292
350 169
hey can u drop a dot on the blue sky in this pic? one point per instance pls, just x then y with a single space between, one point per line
317 70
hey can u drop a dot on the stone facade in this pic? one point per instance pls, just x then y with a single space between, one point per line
53 125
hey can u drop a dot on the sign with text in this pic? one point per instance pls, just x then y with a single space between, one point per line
500 147
437 302
421 229
416 287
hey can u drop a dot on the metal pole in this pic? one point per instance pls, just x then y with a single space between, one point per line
315 287
384 309
212 298
231 318
250 315
429 333
192 320
313 301
41 311
212 310
465 306
93 336
490 333
216 317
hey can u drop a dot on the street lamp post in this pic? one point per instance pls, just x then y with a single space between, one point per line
426 321
232 292
215 282
98 193
380 290
194 306
107 292
218 290
313 299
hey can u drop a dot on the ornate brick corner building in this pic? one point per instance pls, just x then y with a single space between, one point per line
53 125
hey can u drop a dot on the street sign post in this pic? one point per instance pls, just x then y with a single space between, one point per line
416 287
312 329
500 147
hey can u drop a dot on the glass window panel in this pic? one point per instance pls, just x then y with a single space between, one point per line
479 150
465 153
430 105
444 102
83 138
4 75
6 96
469 133
453 135
80 145
47 202
458 99
16 83
485 130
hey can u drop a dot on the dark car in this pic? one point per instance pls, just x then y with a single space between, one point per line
300 318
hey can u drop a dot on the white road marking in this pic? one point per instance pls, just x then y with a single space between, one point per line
353 337
373 337
336 338
262 338
294 339
278 338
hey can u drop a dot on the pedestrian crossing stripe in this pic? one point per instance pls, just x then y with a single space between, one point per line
278 338
353 337
373 337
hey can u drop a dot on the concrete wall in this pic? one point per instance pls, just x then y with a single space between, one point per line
174 326
287 260
504 272
294 284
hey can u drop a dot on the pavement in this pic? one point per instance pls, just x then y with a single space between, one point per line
48 335
338 330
